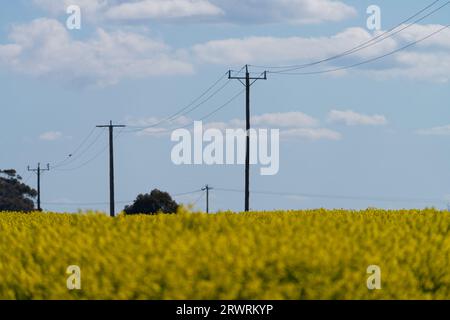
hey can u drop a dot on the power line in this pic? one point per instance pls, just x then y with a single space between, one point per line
73 157
338 197
373 43
187 193
84 164
24 181
187 109
69 157
365 61
95 157
366 44
193 106
270 193
83 204
207 116
117 202
198 200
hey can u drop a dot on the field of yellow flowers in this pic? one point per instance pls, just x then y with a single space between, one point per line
315 254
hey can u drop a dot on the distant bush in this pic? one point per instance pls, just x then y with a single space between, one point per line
153 203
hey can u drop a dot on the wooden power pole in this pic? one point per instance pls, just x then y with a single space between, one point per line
38 172
110 126
248 83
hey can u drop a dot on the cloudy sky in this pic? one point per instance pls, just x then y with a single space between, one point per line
375 135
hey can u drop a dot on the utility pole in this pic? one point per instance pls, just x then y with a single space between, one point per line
38 171
110 126
207 188
249 81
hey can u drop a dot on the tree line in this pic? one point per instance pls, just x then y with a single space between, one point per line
17 196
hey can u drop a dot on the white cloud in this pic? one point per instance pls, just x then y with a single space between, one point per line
433 66
416 32
292 11
44 48
286 119
312 134
166 9
436 131
9 52
236 11
51 136
276 51
351 118
428 60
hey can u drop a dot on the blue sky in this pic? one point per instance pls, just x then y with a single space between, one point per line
381 130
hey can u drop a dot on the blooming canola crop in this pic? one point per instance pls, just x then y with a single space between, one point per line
315 254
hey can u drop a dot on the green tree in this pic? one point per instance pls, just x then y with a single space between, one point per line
153 203
14 194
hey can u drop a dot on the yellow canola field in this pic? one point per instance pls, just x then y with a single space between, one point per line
315 254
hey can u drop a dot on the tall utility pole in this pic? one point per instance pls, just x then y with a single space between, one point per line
207 188
110 126
38 171
248 83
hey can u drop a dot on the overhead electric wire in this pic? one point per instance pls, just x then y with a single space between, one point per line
207 116
136 129
105 203
97 155
84 164
198 102
338 197
30 175
362 45
271 193
82 203
222 106
188 109
371 44
198 200
187 193
73 157
365 61
61 163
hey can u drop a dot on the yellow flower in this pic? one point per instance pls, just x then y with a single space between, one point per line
315 254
